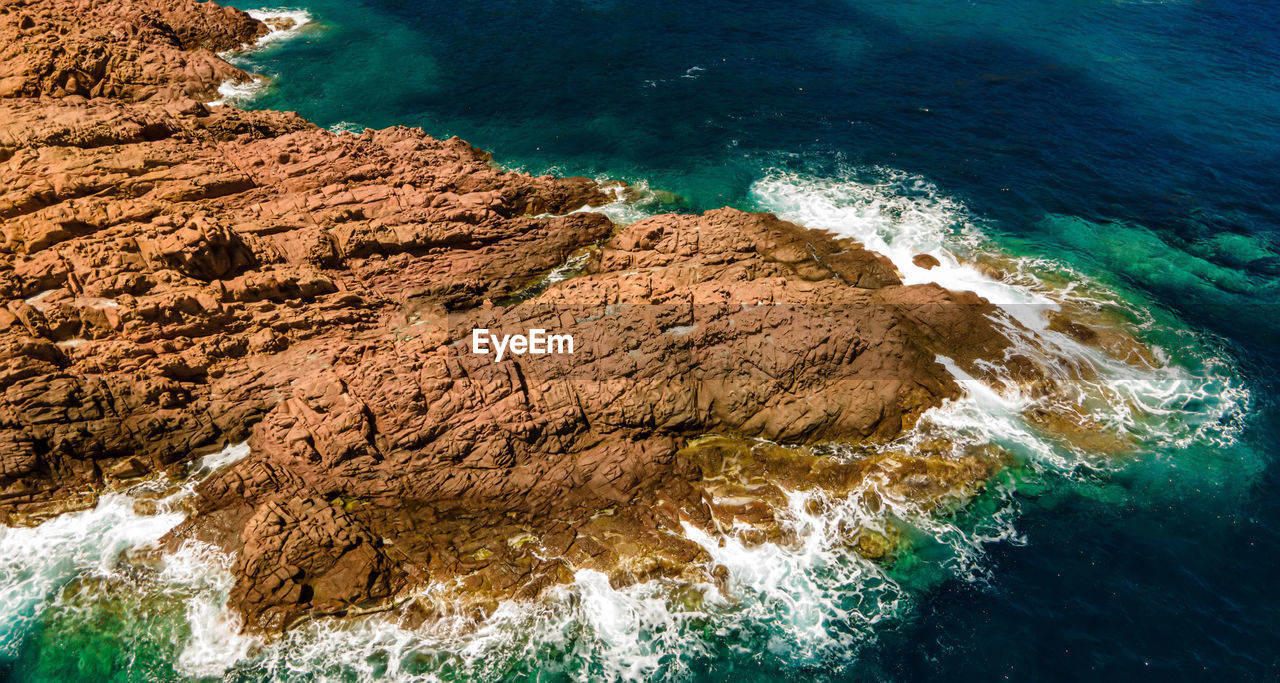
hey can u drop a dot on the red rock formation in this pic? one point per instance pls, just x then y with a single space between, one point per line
178 277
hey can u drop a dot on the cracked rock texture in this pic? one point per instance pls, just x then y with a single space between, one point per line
176 277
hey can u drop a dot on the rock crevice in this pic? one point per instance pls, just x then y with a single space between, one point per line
177 277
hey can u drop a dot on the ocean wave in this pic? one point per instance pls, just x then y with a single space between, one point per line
347 128
1182 391
900 216
813 599
37 562
233 93
283 24
628 203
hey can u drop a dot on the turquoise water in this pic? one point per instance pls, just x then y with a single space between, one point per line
1127 147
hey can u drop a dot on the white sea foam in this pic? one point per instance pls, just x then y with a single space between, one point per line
216 644
601 633
812 598
283 24
215 461
36 562
816 592
230 92
626 206
899 216
347 128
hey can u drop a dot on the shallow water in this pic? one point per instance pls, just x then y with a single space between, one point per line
1116 156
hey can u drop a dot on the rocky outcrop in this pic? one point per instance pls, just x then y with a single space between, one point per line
130 50
177 277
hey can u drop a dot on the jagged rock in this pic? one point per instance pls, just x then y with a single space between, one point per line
178 277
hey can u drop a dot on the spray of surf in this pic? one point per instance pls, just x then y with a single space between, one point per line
1142 378
283 24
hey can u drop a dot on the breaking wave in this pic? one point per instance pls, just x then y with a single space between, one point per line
1184 392
282 24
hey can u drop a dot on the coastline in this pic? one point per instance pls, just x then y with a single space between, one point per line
281 25
318 262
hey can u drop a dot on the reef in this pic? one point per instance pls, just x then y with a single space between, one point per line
178 277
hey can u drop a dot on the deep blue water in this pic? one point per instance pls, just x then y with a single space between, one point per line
1136 142
1166 115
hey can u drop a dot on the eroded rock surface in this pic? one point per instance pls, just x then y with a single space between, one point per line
178 277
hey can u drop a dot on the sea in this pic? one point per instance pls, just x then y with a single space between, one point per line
1120 157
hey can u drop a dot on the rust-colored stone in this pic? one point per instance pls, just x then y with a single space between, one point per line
178 276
